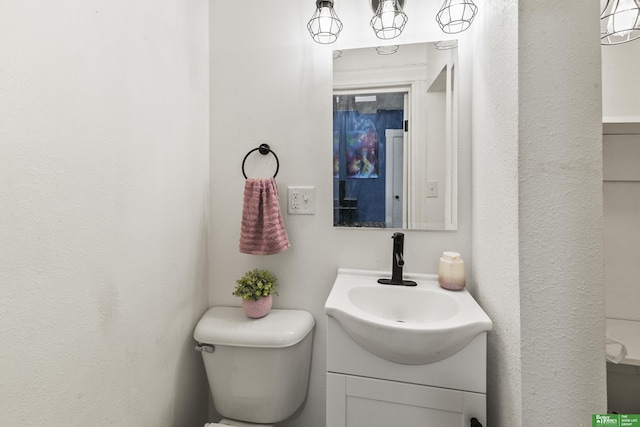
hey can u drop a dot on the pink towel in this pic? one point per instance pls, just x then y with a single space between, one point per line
262 231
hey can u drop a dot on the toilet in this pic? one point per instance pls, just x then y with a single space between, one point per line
258 369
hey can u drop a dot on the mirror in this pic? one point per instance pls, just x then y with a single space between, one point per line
395 137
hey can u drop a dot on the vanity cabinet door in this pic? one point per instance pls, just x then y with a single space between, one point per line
367 402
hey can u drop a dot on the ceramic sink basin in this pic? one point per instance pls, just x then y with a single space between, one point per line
410 325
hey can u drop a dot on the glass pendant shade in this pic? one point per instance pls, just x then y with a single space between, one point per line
387 50
455 16
620 22
324 26
389 19
446 44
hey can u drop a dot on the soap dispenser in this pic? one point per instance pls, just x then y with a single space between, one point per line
451 274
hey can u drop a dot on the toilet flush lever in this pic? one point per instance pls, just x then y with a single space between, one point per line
206 348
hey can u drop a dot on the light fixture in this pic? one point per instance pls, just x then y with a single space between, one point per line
456 16
387 50
324 26
389 19
446 44
620 22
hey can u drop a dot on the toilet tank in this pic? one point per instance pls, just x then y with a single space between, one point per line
258 369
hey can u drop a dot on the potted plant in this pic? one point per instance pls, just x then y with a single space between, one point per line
256 288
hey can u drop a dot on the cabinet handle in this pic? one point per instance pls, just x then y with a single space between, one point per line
475 422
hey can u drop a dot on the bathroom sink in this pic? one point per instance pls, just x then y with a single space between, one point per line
410 325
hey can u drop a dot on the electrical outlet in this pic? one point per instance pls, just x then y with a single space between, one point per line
301 200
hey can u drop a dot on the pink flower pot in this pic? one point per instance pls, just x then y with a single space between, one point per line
259 308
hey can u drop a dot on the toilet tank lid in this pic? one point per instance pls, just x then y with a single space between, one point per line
230 326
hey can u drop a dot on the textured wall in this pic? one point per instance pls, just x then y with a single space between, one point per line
495 203
274 85
103 190
560 213
537 207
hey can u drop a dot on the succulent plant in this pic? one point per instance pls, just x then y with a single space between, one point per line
256 284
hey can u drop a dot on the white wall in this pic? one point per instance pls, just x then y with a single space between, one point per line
495 204
620 69
621 156
560 215
621 232
273 84
537 244
103 224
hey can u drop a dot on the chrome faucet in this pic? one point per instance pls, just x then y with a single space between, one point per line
397 263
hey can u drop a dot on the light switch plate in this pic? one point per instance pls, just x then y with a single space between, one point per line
432 189
301 200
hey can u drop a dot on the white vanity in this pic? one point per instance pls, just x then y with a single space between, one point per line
404 356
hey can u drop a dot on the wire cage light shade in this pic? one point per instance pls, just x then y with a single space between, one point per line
324 26
389 19
455 16
620 22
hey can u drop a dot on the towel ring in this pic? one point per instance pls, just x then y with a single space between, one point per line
264 149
